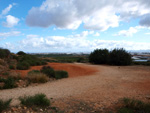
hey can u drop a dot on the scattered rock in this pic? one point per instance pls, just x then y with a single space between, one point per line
147 97
41 110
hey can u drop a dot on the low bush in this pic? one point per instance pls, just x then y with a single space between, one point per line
34 71
61 74
4 104
11 67
14 75
49 71
37 77
36 100
23 66
9 83
134 106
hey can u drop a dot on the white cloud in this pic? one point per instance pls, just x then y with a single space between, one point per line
35 43
94 14
6 10
11 21
147 33
96 34
8 34
129 32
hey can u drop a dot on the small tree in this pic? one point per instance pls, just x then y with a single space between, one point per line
21 53
99 56
120 57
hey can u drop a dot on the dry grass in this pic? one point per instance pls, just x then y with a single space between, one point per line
14 75
37 77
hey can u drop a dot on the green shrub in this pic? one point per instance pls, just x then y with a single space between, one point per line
23 66
134 106
34 72
4 104
9 83
37 77
49 71
99 56
61 74
120 57
11 67
38 100
21 53
4 53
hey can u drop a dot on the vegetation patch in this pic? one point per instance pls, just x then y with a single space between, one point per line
8 83
4 104
134 106
23 65
114 57
61 74
36 76
49 71
36 100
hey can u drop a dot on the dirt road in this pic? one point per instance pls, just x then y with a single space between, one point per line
100 90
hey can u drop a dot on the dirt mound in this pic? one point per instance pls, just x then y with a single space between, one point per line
72 69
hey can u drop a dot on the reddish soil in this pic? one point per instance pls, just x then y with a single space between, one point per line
72 69
87 94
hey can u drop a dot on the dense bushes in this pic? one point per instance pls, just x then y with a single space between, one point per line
48 71
114 57
51 73
38 100
25 61
61 74
120 57
99 56
23 65
4 53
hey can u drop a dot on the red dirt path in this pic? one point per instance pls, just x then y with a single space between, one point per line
72 69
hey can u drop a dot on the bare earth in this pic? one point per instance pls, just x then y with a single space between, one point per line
95 93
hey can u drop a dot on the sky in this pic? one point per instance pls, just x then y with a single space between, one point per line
74 25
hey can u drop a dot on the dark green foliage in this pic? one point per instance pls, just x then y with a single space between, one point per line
81 59
120 57
61 74
21 53
114 57
9 83
31 60
49 71
36 100
4 53
99 56
4 104
23 65
134 106
11 67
